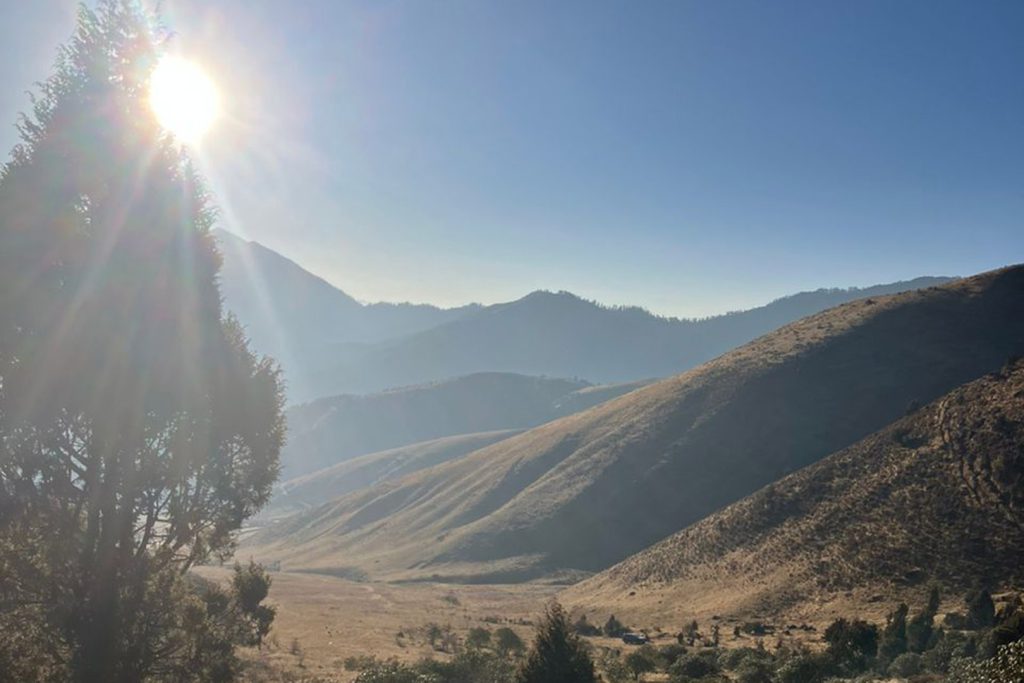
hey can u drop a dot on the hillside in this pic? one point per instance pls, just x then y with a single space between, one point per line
562 335
587 491
330 430
315 489
937 496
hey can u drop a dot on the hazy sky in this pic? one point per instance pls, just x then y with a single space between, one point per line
690 157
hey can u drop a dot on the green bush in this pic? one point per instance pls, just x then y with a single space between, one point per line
1006 667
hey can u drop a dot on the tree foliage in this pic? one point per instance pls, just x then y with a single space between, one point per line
137 430
557 653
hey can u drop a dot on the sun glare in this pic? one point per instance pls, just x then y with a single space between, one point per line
184 99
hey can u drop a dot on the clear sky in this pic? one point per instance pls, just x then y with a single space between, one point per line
690 157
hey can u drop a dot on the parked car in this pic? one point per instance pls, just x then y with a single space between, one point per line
635 639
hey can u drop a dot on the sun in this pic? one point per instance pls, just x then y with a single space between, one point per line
184 99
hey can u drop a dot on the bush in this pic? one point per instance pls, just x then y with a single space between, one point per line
805 668
755 671
478 638
1006 666
697 665
906 665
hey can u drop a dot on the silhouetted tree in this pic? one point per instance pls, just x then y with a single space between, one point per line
981 611
613 628
251 584
507 642
921 627
583 627
137 430
557 653
894 636
851 641
478 638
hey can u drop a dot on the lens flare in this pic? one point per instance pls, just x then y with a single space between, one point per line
184 99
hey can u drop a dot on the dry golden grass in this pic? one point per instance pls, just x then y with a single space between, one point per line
935 497
334 618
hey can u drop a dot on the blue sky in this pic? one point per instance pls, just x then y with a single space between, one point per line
690 157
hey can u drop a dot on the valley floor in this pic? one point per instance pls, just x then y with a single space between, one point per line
333 618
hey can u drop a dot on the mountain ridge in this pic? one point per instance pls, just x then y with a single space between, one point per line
586 491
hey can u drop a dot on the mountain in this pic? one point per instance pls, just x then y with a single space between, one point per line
562 335
330 430
328 343
938 496
297 317
315 489
588 490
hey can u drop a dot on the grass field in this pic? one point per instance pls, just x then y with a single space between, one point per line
333 618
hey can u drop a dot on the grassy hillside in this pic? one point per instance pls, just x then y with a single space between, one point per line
562 335
315 489
330 430
586 491
937 496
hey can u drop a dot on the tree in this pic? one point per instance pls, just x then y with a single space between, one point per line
894 636
251 584
583 627
507 642
981 611
137 430
613 628
557 653
478 638
921 627
851 641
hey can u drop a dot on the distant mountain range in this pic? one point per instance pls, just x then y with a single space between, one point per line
331 430
586 491
329 343
938 496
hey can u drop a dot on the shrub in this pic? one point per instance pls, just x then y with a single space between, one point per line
478 638
1006 666
805 668
696 665
642 660
906 665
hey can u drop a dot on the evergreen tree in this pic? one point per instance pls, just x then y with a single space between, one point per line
613 628
921 626
557 653
894 636
137 430
250 585
981 611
